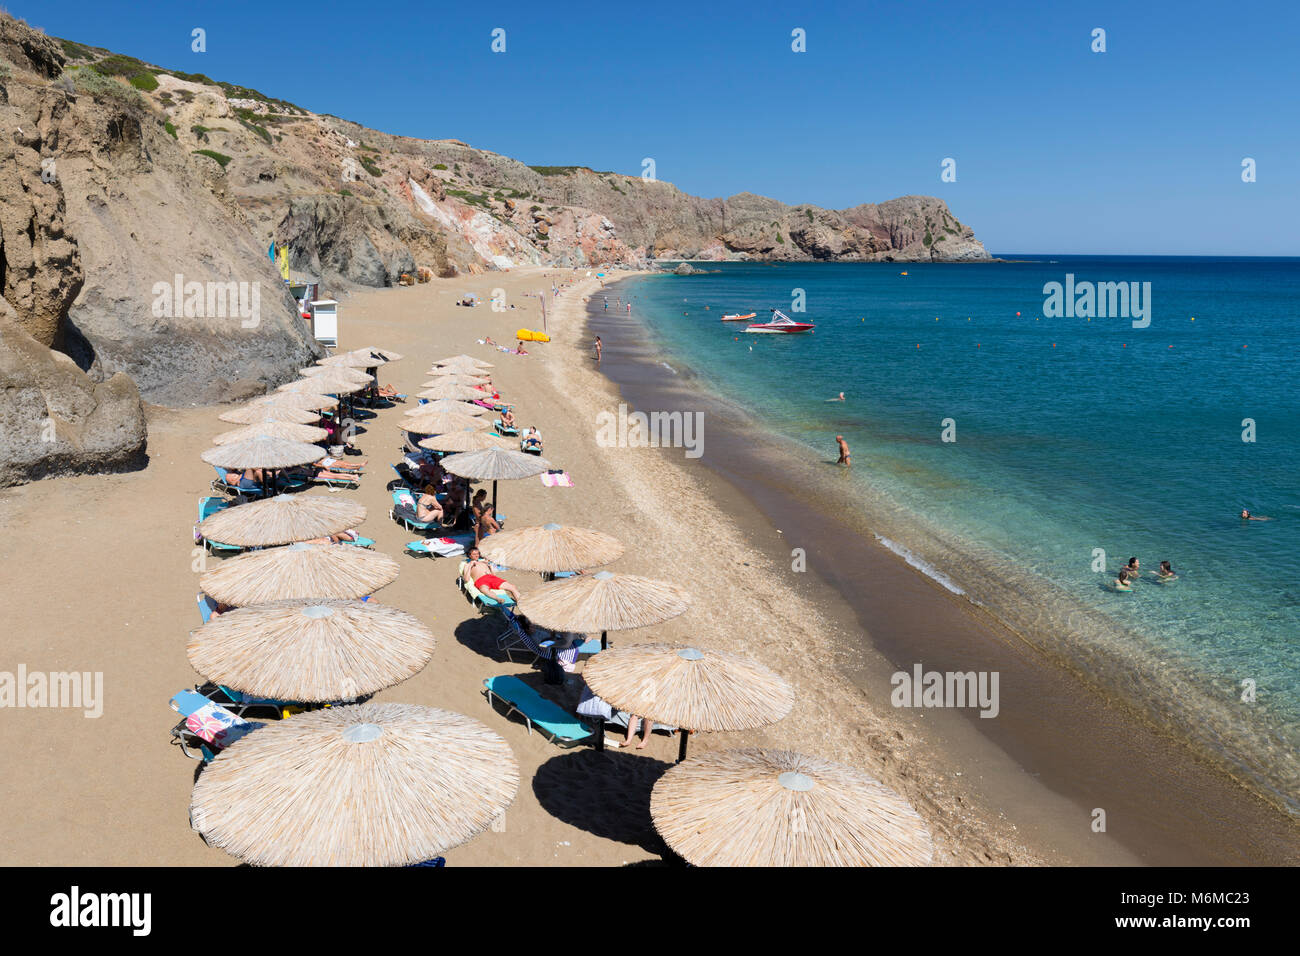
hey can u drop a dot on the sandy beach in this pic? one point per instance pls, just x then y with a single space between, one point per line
101 576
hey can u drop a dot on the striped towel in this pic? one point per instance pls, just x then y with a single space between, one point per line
562 480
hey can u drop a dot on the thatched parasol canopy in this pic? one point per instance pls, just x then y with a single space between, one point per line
457 377
448 405
459 371
342 373
384 355
467 439
776 808
318 384
439 423
299 571
552 547
283 519
495 464
463 359
604 601
305 400
311 651
452 392
366 785
687 687
248 414
262 451
273 429
348 360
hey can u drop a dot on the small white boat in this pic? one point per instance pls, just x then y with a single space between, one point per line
734 317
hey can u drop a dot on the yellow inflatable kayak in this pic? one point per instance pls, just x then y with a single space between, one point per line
528 335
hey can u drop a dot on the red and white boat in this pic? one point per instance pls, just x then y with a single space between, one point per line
780 323
735 317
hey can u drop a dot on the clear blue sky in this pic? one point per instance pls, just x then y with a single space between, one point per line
1059 149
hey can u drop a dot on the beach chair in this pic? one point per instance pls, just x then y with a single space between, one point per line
511 431
553 721
206 607
210 505
206 727
360 542
476 597
335 484
447 546
515 638
531 446
242 487
404 511
403 479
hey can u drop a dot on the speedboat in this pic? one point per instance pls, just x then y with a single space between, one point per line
735 317
780 323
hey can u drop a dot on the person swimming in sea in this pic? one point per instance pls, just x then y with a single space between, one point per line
1121 583
1247 516
1166 572
838 398
1134 568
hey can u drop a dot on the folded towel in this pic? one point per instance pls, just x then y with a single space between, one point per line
562 480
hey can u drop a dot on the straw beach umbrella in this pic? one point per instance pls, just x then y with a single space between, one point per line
305 400
451 371
495 464
282 519
552 547
318 384
349 360
452 392
366 785
340 372
757 807
689 688
604 601
249 414
311 651
439 423
463 359
384 355
289 431
264 452
299 571
447 405
467 439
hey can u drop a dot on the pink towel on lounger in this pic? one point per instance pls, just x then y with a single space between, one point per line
562 480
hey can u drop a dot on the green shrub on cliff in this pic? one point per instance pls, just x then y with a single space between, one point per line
213 154
6 70
171 130
103 87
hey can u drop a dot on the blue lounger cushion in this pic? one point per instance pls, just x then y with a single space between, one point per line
552 719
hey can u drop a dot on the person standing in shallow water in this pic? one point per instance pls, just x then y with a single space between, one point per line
845 457
598 349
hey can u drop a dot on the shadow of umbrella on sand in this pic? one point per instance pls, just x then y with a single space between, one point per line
607 794
691 689
777 808
299 571
282 519
312 651
362 785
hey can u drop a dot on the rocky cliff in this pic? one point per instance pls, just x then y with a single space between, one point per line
137 204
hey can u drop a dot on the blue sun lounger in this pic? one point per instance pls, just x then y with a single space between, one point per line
208 506
505 429
552 720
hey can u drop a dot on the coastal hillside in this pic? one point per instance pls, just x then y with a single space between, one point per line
120 178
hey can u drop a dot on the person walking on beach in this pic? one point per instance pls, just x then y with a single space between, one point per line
845 457
598 350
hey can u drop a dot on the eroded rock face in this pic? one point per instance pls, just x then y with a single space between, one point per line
54 419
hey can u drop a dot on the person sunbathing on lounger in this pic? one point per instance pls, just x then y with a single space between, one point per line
429 508
532 438
508 418
479 573
329 463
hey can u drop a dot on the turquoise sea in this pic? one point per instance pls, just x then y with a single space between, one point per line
1072 434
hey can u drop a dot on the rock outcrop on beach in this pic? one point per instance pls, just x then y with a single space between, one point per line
137 205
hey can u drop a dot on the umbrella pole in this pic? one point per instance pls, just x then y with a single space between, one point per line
681 748
494 497
604 640
600 732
